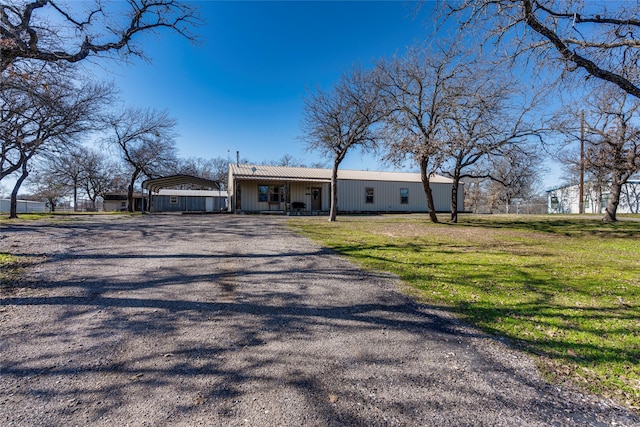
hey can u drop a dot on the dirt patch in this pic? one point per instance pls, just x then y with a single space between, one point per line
233 320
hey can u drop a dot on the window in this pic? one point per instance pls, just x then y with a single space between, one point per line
173 200
263 193
404 196
271 193
274 194
368 195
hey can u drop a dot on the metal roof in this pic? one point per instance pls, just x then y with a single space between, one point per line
156 184
283 173
192 193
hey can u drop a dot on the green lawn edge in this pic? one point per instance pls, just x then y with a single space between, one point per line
565 289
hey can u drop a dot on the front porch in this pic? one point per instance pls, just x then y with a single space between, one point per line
277 197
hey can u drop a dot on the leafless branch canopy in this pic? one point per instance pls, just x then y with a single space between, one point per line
41 110
601 39
335 120
48 30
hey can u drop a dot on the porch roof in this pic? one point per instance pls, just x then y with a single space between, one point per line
279 173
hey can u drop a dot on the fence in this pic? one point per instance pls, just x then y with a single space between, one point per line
84 205
23 206
516 208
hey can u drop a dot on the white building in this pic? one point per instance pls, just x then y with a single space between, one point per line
254 188
23 206
566 199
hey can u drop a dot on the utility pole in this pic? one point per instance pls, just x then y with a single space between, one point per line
581 201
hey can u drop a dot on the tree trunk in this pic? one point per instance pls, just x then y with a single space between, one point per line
75 195
427 189
134 176
13 210
333 211
454 200
614 200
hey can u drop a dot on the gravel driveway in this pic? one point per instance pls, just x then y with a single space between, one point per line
234 320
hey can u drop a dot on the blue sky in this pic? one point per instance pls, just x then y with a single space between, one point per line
241 88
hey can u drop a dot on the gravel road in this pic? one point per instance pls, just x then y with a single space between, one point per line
223 320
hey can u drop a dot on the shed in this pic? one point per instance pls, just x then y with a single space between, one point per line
256 188
203 196
175 200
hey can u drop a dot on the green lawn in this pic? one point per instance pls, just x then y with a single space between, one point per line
566 289
4 217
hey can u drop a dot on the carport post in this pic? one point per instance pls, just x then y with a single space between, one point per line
143 200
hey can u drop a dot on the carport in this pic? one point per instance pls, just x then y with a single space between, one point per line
156 184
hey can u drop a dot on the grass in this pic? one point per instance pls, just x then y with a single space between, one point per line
4 217
566 289
10 269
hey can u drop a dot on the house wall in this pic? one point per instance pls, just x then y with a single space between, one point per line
352 196
299 191
386 196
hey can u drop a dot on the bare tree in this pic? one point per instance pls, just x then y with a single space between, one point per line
596 174
417 95
490 112
598 39
100 174
613 141
145 142
42 113
67 169
334 122
287 160
216 169
54 31
631 197
45 185
514 174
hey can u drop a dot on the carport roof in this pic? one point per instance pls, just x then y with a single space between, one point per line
156 184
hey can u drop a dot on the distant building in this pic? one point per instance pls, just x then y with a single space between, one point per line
23 206
117 202
566 199
254 188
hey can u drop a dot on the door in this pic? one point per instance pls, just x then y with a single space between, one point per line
316 199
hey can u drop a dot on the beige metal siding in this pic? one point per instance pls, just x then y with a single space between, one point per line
249 196
300 193
386 197
351 188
